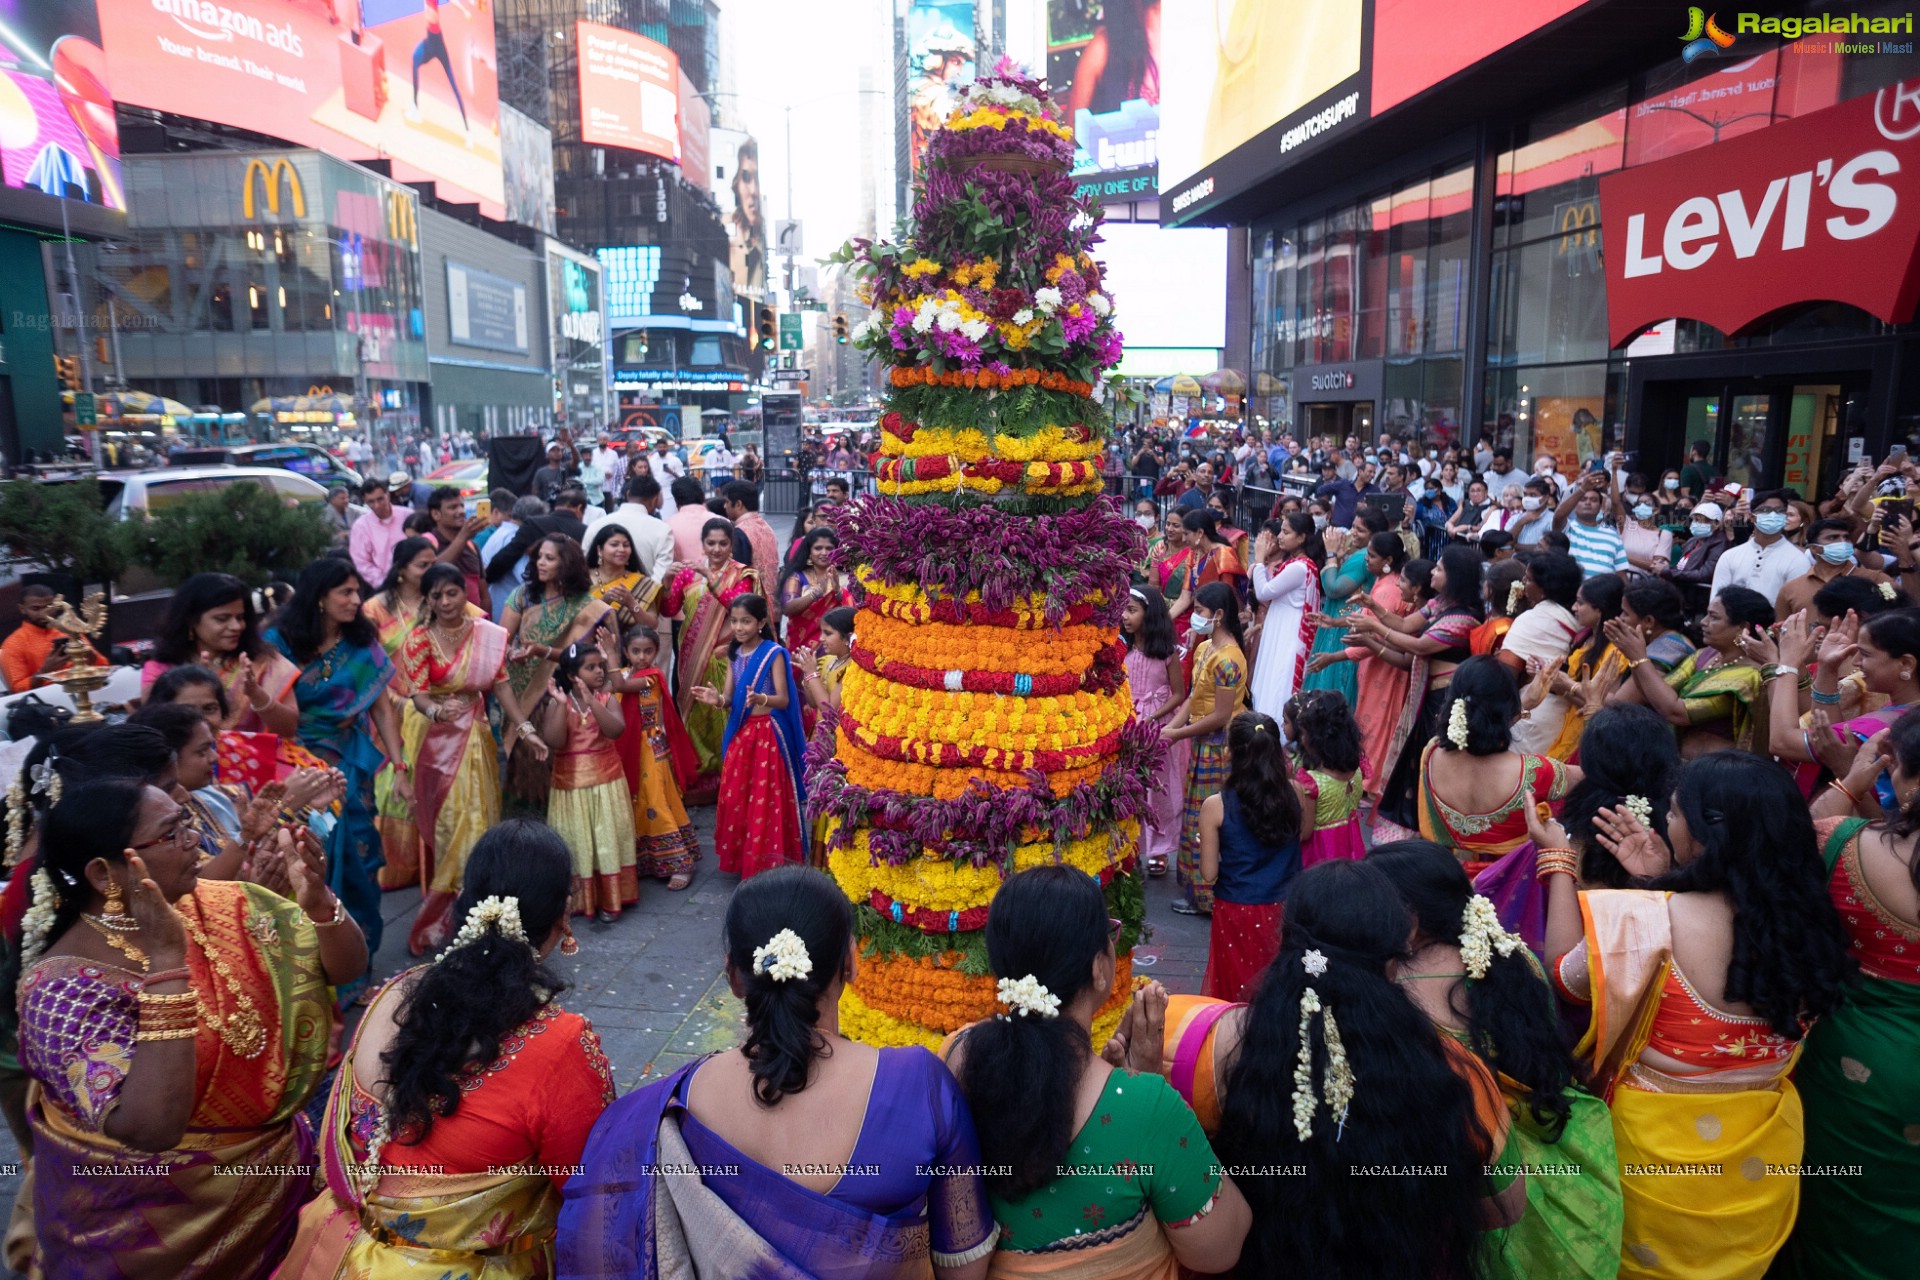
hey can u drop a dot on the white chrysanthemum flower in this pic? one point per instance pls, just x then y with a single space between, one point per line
976 329
1027 996
1099 303
1047 299
1023 316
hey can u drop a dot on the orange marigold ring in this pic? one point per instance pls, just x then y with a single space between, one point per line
1018 684
922 992
944 646
926 718
902 477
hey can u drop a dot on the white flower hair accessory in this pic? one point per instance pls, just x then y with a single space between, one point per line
1337 1090
502 915
38 922
1314 962
1457 723
1027 996
1515 594
1640 807
1481 934
783 958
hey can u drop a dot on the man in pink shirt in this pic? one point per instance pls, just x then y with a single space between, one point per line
374 536
689 516
743 508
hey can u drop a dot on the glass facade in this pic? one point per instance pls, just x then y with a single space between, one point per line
249 276
1388 277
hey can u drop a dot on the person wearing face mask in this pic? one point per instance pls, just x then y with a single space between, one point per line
1536 513
1766 562
1649 547
1670 510
1700 557
1546 467
1833 555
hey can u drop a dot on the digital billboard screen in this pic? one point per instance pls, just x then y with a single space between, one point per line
1103 64
57 132
1418 43
629 91
410 81
941 59
1284 72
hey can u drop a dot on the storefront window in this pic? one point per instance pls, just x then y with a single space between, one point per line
1548 182
1564 410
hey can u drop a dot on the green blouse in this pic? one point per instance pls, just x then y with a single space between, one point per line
1141 1149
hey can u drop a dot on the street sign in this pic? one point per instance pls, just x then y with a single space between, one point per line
786 237
790 339
84 413
789 375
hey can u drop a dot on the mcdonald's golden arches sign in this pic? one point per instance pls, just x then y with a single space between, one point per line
271 179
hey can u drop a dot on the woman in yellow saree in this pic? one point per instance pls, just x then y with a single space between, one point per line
1701 990
1716 697
172 1047
451 663
467 1096
394 610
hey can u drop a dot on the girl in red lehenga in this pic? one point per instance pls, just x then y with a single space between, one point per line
762 796
1250 852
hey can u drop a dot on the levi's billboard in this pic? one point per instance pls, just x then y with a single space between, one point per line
1823 208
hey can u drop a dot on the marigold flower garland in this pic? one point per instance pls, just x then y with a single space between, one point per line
925 720
939 885
895 643
860 1020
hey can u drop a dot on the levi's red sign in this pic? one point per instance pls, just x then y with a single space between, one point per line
1822 208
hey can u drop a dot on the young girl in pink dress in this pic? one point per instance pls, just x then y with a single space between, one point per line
1159 686
1329 777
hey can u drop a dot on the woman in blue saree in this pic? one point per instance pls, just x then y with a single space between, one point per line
908 1201
763 798
343 671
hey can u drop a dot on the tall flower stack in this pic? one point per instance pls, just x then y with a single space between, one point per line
985 725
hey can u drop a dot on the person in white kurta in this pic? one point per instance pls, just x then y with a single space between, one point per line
1286 586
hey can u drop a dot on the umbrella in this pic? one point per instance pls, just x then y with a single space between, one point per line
1265 384
148 403
1225 382
1184 386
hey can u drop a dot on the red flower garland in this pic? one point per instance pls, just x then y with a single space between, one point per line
1104 675
1007 471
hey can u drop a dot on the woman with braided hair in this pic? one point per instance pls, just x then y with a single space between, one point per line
467 1093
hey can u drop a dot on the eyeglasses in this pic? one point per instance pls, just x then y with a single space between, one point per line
185 833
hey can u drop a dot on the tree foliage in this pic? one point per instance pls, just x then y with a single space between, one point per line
247 530
61 527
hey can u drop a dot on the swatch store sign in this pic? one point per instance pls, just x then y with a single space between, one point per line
1824 208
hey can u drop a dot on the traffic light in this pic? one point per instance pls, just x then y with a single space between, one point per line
840 329
68 370
765 328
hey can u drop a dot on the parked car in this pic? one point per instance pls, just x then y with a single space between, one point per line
469 476
308 460
139 599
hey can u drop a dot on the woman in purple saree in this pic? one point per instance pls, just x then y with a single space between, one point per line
683 1176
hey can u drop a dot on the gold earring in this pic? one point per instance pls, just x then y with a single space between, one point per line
114 905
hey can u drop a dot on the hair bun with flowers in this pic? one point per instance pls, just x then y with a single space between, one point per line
1640 807
1027 996
1457 731
1482 934
784 958
1515 594
496 915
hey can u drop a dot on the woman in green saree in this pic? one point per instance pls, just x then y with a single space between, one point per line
549 611
1343 582
1715 698
1859 1075
1483 988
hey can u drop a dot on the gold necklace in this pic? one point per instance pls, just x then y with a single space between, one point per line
242 1030
120 944
456 637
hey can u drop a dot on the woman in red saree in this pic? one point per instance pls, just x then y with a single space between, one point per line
811 588
173 1046
699 596
451 664
467 1095
1167 562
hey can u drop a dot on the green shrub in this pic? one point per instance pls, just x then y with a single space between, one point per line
62 527
247 530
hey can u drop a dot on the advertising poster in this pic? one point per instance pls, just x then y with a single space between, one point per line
1103 61
1417 43
629 91
57 132
941 57
696 142
485 310
527 162
1235 68
412 81
743 209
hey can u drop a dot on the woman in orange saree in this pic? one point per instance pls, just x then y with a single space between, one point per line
416 1185
172 1047
451 664
699 596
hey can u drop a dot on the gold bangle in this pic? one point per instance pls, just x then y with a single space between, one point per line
176 1033
339 916
156 999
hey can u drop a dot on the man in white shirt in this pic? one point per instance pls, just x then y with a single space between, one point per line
605 455
667 464
639 515
1500 474
1766 562
1547 468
